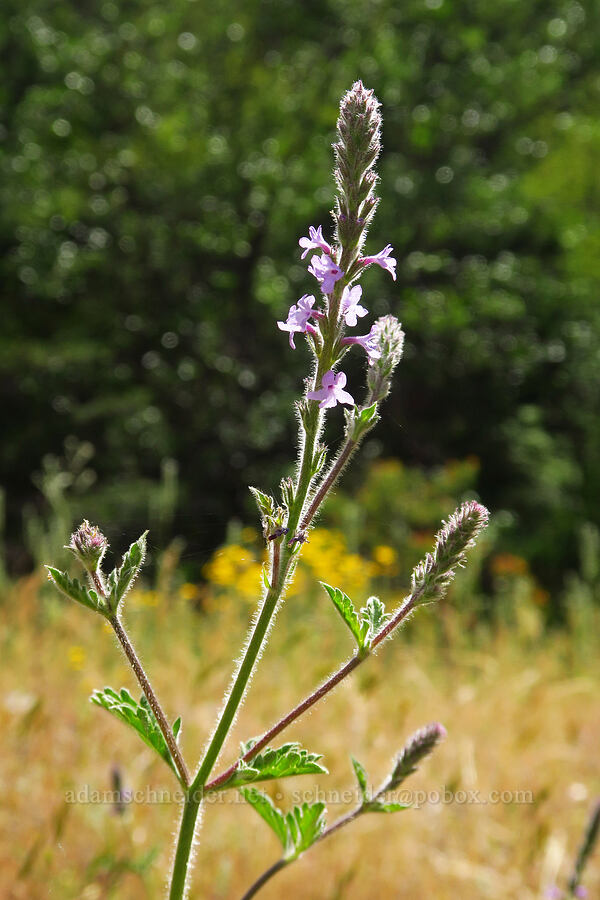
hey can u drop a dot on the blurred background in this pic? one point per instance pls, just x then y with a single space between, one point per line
159 163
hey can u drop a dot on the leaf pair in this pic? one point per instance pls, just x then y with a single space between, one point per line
297 830
138 716
365 624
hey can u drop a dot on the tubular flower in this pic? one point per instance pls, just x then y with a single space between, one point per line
298 316
315 241
325 271
332 391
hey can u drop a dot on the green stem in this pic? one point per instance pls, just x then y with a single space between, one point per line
185 840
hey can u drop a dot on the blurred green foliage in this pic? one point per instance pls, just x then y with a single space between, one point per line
158 167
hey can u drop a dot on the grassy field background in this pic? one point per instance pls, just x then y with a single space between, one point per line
520 703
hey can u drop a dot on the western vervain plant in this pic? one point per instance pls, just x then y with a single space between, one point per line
325 322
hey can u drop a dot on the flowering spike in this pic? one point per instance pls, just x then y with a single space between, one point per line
432 576
356 150
332 391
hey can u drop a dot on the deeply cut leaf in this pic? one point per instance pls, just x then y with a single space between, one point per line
297 830
138 716
291 759
373 618
73 588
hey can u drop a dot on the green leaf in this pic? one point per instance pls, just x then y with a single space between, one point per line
265 807
120 580
138 716
381 807
305 823
361 777
373 618
284 762
265 503
346 609
73 588
363 420
297 829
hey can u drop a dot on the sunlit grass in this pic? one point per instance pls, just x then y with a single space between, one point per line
522 709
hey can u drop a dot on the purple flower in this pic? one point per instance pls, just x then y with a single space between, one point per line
298 316
315 241
580 891
332 391
382 259
350 305
553 893
369 342
325 271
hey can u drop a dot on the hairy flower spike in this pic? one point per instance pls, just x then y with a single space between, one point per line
89 545
386 334
356 150
421 744
432 576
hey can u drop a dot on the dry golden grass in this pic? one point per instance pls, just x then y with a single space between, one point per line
522 712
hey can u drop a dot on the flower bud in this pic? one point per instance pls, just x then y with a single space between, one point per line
420 745
89 545
432 576
388 337
356 151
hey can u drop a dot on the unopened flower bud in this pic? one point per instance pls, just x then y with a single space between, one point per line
420 745
432 576
387 336
356 151
89 545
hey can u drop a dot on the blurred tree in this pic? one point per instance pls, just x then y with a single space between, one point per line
158 167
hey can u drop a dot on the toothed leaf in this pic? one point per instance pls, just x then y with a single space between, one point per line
120 580
284 762
373 618
138 716
73 589
346 609
265 807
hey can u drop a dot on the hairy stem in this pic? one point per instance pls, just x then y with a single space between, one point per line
152 699
322 691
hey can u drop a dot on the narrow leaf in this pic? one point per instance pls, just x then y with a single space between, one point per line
361 777
120 580
346 609
378 806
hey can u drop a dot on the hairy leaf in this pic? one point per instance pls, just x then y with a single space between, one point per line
120 580
138 716
73 588
373 618
265 807
361 777
297 829
345 607
284 762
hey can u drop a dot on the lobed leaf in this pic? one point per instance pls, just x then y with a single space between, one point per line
373 618
139 717
361 777
297 830
73 589
284 762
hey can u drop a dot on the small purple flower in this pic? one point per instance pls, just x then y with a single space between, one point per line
298 316
370 343
315 241
332 391
553 893
325 271
351 308
382 259
580 891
